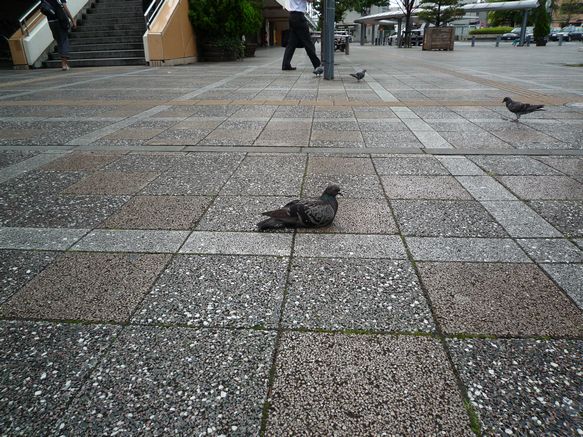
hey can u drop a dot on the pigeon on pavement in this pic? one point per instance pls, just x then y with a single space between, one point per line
305 213
359 75
318 71
519 108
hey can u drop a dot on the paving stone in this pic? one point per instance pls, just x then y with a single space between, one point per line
176 381
485 188
349 246
239 213
81 161
43 368
476 140
267 175
159 212
423 187
87 286
460 166
352 186
37 184
390 139
371 294
551 250
409 165
445 218
148 241
466 249
522 387
332 165
112 183
145 162
39 239
570 166
17 267
345 385
519 220
215 290
360 216
498 299
66 211
569 277
567 216
513 165
238 243
394 125
544 187
8 158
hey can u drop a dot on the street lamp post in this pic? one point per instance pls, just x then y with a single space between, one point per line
328 39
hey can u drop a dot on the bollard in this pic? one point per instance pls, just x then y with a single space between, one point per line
528 41
347 47
560 40
498 41
474 41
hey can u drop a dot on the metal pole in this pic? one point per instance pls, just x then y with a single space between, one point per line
362 33
560 40
523 28
498 41
372 40
473 40
328 41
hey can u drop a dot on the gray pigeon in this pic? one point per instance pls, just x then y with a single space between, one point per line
359 75
318 71
305 213
519 108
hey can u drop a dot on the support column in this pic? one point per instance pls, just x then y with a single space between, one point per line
372 41
328 39
523 28
362 33
399 30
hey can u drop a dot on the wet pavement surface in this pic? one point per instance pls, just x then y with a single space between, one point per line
137 297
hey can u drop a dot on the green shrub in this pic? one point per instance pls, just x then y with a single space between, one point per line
230 19
491 30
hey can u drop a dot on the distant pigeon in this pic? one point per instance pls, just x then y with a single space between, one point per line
305 213
519 108
359 75
318 71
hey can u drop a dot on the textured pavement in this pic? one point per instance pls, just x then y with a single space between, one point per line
136 297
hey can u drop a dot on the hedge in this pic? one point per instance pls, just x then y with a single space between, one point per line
491 30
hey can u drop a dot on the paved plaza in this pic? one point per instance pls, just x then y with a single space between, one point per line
137 297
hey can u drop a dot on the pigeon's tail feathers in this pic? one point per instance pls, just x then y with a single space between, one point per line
277 213
354 75
270 223
538 107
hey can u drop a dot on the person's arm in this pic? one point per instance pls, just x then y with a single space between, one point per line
68 12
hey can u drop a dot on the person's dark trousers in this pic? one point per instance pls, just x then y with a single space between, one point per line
299 32
62 37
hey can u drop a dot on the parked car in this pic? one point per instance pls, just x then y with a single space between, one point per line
515 34
416 38
577 34
565 32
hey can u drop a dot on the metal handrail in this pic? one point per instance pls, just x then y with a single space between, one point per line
152 11
22 21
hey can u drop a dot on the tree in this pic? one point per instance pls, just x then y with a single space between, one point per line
439 12
343 6
570 8
542 23
407 7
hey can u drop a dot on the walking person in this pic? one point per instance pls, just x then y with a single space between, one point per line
299 34
60 19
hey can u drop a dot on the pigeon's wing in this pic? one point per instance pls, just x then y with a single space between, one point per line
316 213
532 108
354 75
516 107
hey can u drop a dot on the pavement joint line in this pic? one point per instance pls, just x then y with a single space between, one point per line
428 136
27 165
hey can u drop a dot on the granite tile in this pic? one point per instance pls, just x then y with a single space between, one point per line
551 250
112 183
544 187
567 216
519 220
17 267
466 249
498 299
39 238
148 241
217 290
355 385
87 286
362 294
569 277
423 187
238 243
349 246
409 165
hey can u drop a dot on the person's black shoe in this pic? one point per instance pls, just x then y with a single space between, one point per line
288 68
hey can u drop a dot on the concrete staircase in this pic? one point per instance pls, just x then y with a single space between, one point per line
110 33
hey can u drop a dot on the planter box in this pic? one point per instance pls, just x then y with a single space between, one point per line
214 53
438 38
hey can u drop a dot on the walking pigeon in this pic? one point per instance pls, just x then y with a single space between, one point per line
359 75
318 71
304 213
519 108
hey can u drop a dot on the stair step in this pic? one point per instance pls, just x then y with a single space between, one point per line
111 41
103 62
94 20
79 45
101 55
114 26
116 10
120 34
